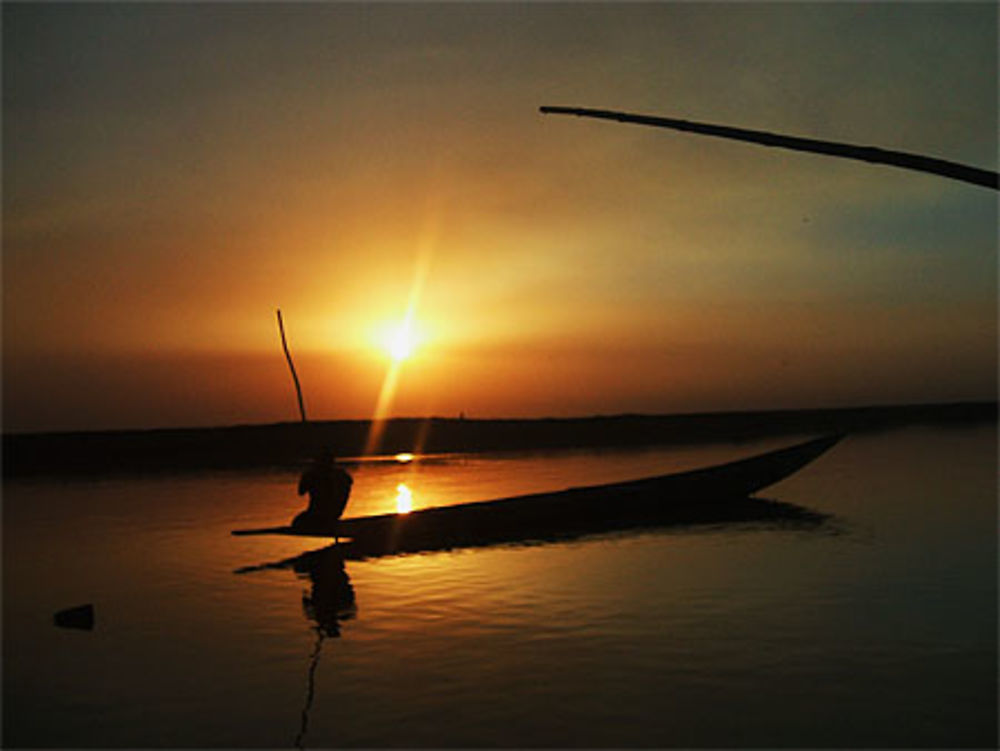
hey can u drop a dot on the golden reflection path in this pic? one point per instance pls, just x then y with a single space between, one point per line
404 499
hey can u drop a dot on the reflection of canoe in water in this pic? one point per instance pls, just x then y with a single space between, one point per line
712 494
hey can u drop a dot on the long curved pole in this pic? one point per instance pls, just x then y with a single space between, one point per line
902 159
291 367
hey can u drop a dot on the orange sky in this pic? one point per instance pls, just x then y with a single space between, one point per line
173 173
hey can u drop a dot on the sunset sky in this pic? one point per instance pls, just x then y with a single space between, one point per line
174 173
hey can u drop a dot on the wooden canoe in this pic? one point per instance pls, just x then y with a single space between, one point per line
717 493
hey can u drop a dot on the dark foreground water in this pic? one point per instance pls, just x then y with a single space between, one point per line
876 628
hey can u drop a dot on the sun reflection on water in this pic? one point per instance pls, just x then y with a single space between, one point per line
404 499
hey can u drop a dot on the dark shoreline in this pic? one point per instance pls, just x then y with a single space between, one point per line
289 444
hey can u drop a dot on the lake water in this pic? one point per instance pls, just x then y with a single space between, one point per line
876 628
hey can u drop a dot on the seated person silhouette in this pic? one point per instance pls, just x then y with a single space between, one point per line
328 487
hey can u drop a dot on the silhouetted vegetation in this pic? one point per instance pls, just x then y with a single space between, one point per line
291 444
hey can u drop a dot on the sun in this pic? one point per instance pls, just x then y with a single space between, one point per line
400 342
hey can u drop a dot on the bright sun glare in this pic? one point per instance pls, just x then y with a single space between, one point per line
400 342
404 499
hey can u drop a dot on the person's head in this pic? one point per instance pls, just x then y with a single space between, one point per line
325 456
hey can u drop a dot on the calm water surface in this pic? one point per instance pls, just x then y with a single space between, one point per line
876 628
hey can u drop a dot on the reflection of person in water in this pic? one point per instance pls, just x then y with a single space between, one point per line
331 599
329 487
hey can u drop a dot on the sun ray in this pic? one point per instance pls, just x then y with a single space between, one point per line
403 340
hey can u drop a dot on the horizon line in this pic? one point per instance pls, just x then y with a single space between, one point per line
995 402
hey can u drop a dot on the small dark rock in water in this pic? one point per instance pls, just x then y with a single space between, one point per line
81 617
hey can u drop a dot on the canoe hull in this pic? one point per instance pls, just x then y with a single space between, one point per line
713 494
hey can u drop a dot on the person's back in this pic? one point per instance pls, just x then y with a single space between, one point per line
328 487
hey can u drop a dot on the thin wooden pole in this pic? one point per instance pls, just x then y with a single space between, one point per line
291 367
918 162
